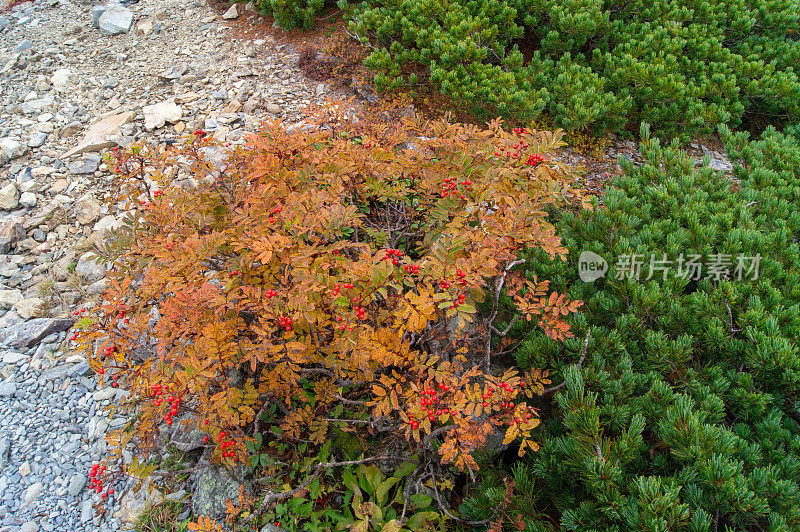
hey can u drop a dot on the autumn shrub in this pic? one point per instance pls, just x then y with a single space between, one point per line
676 404
320 285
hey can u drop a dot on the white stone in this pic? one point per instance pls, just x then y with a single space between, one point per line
156 115
29 307
13 358
9 197
8 298
87 267
76 484
61 79
87 209
11 149
28 199
101 395
115 20
232 12
25 469
33 491
30 526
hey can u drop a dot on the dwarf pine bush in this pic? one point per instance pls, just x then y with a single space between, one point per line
683 413
683 67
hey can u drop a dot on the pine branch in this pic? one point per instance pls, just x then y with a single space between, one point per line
554 389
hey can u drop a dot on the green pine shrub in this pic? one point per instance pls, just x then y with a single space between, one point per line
683 67
292 13
682 411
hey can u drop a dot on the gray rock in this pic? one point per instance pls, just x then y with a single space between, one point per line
86 511
115 20
5 449
31 333
37 139
174 72
721 165
87 165
97 12
213 486
273 108
24 44
76 484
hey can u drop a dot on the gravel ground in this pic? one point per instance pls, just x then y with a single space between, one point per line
175 69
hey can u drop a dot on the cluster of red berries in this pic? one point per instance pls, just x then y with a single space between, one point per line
276 210
445 284
430 398
147 204
393 255
286 323
226 444
411 268
174 401
343 326
270 293
360 312
232 273
460 301
342 286
534 159
109 350
450 186
158 193
97 482
199 133
79 312
520 420
114 384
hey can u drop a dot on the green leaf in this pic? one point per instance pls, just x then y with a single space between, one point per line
383 488
405 469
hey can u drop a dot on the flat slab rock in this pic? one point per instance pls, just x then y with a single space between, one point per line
102 134
30 333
